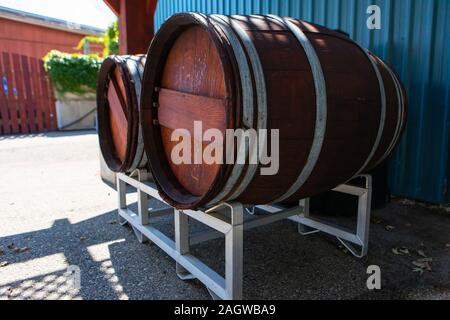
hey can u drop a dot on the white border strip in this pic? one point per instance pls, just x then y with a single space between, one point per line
321 106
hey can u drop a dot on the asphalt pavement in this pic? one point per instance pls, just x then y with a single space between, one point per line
56 214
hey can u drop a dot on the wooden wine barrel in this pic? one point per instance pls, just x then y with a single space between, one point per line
118 100
340 110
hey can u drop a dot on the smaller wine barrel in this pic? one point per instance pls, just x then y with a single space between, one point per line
118 106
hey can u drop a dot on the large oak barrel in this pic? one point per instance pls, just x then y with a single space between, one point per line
118 101
340 110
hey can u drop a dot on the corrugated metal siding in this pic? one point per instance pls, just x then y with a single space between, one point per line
414 39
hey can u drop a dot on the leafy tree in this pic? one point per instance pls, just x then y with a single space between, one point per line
110 40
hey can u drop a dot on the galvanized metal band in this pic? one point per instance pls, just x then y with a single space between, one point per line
140 62
261 95
400 114
321 106
247 98
382 113
122 62
136 77
141 67
244 70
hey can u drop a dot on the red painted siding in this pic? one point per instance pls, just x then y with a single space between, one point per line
26 96
35 41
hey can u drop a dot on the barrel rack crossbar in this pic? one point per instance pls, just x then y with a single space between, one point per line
229 220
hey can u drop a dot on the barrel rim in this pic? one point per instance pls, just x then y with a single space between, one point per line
103 118
168 185
403 117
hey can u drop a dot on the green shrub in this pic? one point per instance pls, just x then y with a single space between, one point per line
112 36
72 73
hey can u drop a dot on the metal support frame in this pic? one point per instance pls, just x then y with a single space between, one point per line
309 225
226 219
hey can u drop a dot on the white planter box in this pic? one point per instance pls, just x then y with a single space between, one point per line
71 108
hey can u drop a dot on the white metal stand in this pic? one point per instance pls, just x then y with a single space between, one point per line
308 225
226 219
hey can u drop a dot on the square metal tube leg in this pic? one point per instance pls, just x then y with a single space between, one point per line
234 251
364 212
304 209
143 208
309 225
143 215
122 198
122 192
182 242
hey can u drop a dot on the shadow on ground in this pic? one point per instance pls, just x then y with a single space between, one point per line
279 263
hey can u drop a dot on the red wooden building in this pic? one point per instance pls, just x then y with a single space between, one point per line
26 98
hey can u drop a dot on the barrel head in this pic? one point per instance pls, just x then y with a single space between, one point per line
193 89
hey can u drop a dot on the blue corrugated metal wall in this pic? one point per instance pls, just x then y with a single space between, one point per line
414 39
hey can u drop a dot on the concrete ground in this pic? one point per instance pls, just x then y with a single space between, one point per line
55 212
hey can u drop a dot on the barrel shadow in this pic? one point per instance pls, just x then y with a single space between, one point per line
278 262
